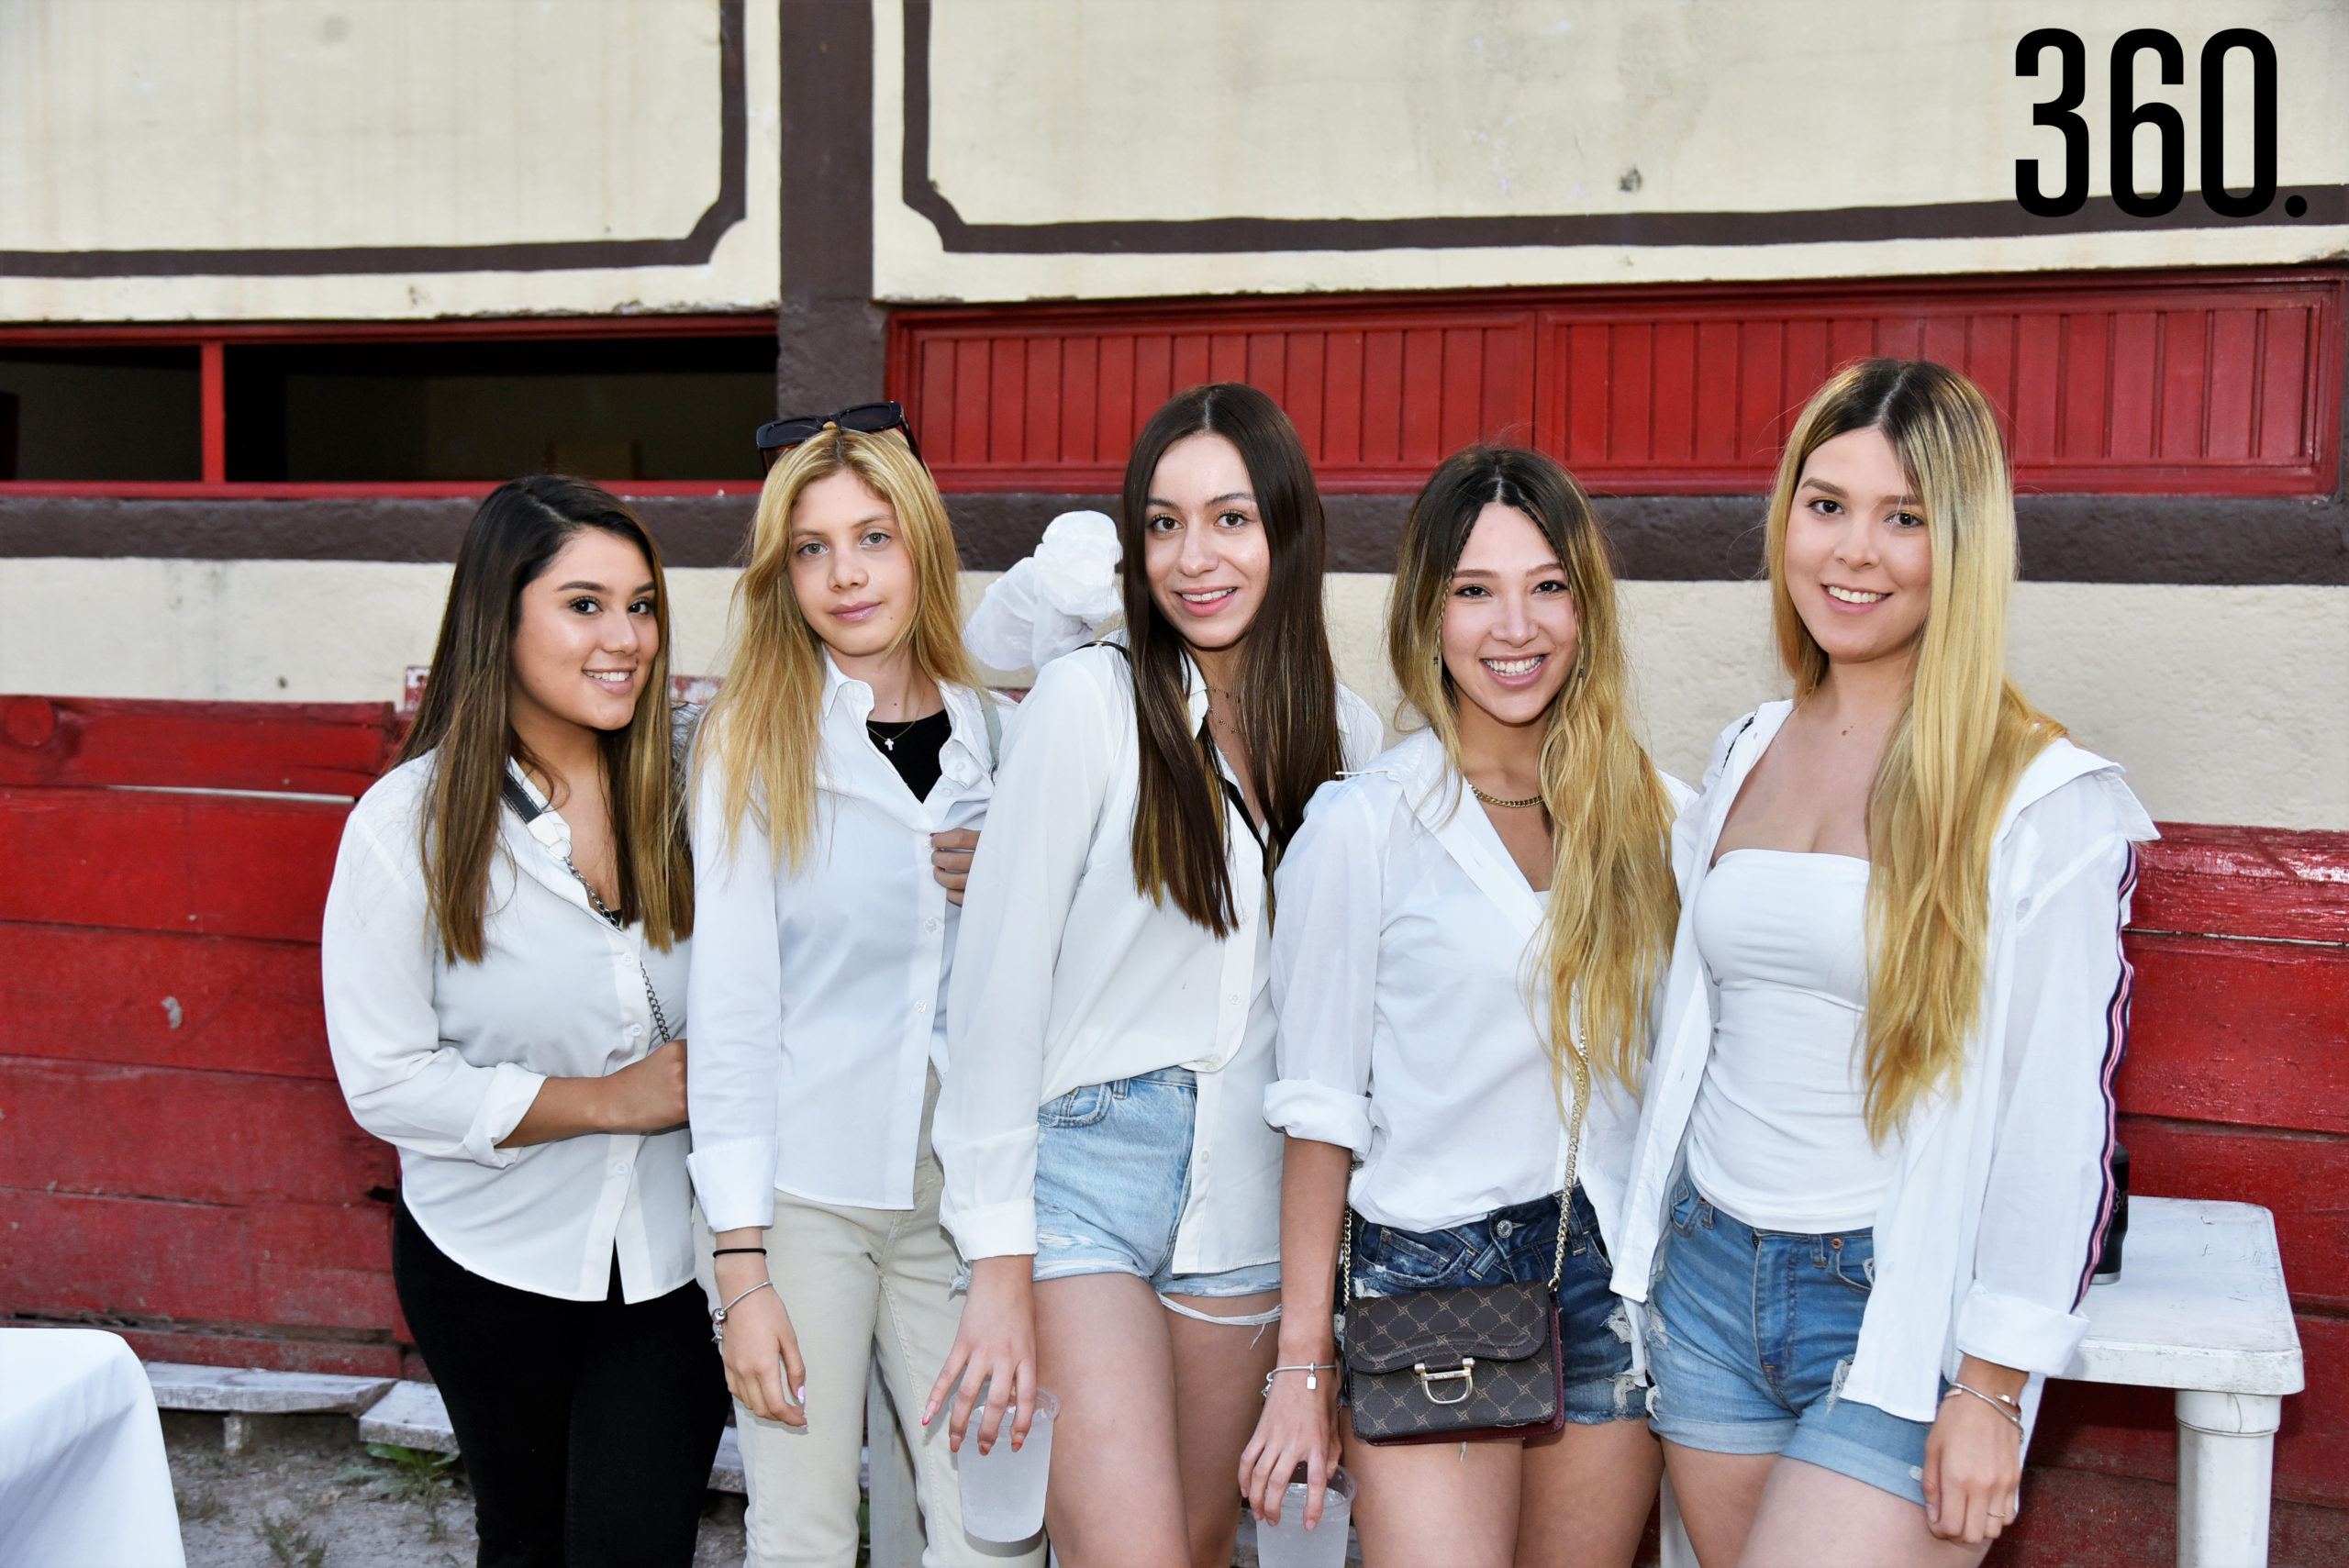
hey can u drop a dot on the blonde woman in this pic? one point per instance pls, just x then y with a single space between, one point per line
848 750
1872 1168
1472 929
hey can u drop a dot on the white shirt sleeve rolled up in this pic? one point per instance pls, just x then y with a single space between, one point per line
404 1084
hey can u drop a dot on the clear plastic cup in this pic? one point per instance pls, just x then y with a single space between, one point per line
1289 1544
1003 1490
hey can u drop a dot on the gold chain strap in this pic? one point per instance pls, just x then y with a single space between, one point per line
1565 1193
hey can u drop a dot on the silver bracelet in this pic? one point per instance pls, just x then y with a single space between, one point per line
717 1318
1312 1370
2004 1404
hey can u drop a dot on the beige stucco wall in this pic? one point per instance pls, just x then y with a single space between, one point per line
2226 705
271 124
1051 111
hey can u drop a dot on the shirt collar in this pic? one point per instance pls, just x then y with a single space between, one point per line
547 825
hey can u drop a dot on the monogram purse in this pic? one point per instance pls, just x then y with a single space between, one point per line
1459 1362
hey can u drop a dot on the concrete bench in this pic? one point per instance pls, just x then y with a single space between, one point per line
2199 1306
240 1393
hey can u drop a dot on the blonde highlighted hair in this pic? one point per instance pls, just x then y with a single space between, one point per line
1953 755
1607 935
762 732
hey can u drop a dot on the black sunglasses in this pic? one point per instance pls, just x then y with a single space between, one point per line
779 436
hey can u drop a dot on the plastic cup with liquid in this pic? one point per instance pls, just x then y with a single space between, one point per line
1003 1490
1289 1544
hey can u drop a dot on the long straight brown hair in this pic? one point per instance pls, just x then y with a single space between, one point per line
1607 930
1287 694
464 726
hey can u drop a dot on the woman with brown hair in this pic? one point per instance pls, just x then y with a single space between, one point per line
504 962
1109 1171
1472 929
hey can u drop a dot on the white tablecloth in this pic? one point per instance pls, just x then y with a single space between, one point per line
83 1483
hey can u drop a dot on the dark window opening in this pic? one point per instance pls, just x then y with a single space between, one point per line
101 414
631 408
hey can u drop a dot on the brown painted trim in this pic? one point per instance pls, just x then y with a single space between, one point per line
2084 539
701 530
692 250
831 337
2327 204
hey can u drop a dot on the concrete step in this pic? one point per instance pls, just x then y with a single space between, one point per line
413 1416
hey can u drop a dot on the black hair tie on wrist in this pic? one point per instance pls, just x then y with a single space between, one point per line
724 1251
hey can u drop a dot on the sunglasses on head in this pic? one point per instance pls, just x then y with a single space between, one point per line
778 437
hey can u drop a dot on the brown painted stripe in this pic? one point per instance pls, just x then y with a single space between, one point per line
2089 539
692 249
2326 205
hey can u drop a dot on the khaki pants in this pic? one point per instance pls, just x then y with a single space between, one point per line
860 1285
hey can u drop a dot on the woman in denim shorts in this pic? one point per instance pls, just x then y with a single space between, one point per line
1108 1172
1470 930
1873 1175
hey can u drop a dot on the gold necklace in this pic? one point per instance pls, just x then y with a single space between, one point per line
1496 800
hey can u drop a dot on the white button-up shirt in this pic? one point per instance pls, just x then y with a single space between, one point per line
1404 971
2001 1191
443 1059
819 997
1068 976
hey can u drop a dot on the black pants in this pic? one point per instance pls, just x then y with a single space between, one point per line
588 1427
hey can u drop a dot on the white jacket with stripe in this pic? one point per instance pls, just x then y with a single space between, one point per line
1986 1239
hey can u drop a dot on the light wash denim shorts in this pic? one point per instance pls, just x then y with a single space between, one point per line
1518 1243
1750 1336
1113 1171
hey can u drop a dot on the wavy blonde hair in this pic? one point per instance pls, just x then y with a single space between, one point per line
1955 753
763 730
1613 905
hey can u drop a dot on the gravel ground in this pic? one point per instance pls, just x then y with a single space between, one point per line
306 1495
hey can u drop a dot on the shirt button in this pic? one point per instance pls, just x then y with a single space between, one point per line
619 1167
921 1006
930 925
635 1031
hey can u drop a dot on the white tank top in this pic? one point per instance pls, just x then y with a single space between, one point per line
1779 1138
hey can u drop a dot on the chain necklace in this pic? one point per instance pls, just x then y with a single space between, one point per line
1496 800
896 732
651 997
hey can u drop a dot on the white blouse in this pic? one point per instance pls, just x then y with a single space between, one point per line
444 1059
819 997
1068 976
1411 1026
1778 1137
2001 1186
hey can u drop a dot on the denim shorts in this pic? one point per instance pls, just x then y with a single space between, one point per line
1520 1243
1113 1171
1750 1336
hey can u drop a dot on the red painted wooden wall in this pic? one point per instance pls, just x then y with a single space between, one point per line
2130 382
175 1158
2236 1086
193 1179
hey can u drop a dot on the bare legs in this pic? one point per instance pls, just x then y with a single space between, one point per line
1761 1511
1576 1500
1154 1410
